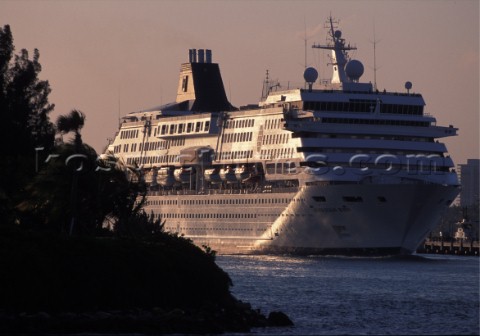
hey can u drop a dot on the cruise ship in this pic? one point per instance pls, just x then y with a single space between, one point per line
331 167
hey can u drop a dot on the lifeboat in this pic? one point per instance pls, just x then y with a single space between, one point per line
184 175
242 173
213 175
227 174
165 177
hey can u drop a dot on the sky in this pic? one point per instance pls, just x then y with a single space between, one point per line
108 58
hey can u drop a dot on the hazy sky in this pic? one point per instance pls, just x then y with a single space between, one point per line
111 57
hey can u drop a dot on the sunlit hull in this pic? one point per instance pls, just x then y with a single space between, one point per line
336 219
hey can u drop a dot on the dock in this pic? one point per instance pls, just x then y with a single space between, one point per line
454 247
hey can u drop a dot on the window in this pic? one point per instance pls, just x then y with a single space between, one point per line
185 84
270 168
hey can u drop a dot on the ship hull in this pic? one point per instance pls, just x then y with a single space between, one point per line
345 219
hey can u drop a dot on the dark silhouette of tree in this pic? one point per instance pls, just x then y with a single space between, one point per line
6 54
107 193
73 122
24 102
24 110
68 187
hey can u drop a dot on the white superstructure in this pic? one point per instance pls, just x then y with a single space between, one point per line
335 168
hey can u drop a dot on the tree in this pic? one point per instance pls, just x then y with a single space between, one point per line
24 110
24 102
73 122
112 192
6 54
65 124
107 192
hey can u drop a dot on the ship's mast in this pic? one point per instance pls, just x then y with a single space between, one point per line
268 86
305 85
339 52
374 59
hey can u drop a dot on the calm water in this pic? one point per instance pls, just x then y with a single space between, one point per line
351 296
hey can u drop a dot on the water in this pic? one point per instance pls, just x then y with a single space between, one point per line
414 295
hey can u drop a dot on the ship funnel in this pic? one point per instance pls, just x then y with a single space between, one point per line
194 56
190 55
208 56
200 86
204 56
201 56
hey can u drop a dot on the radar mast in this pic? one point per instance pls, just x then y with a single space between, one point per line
339 50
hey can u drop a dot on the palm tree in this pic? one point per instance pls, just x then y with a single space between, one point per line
73 122
104 190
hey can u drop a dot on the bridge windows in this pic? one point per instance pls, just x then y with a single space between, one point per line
362 106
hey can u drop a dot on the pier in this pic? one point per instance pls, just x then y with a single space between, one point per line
454 247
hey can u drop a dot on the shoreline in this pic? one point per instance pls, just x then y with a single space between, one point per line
214 320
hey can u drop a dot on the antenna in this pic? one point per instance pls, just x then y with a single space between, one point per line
119 119
265 89
305 22
375 41
305 39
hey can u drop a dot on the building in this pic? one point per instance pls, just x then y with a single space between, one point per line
469 177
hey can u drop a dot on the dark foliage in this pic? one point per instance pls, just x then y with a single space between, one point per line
42 272
104 194
132 264
24 110
73 122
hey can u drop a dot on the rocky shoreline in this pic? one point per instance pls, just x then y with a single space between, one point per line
211 320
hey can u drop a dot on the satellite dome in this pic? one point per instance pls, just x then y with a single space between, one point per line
338 33
408 85
354 70
310 75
